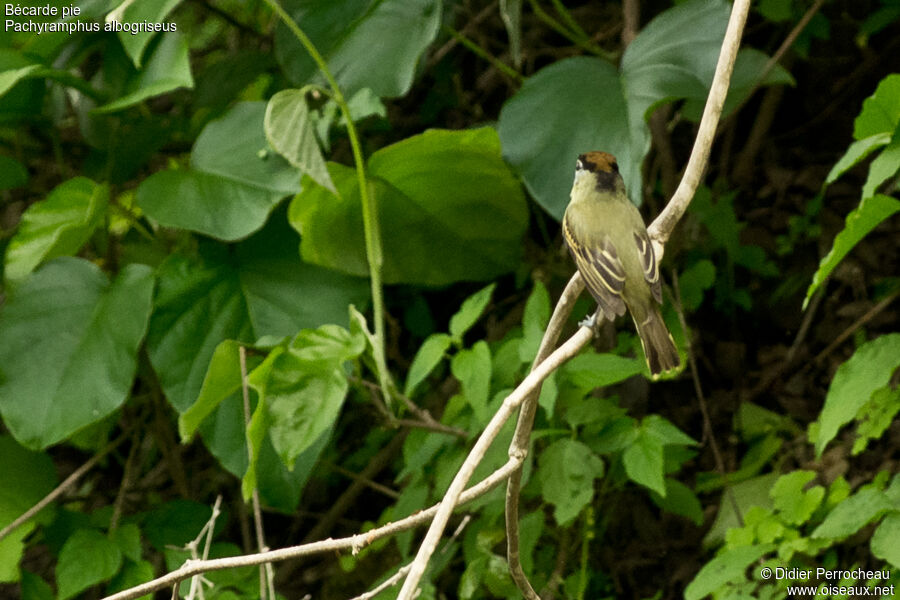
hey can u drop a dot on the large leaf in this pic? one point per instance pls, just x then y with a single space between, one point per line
861 220
869 369
56 226
69 352
581 104
154 11
233 185
570 107
167 69
366 43
263 290
449 209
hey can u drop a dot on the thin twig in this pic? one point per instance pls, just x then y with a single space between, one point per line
485 55
389 582
365 481
353 543
704 408
662 226
266 586
126 483
451 497
870 314
65 485
631 17
378 462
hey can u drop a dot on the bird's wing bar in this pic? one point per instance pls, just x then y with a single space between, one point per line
648 260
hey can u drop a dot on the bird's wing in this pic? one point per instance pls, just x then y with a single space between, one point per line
600 267
648 261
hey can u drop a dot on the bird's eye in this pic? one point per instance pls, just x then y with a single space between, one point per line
579 165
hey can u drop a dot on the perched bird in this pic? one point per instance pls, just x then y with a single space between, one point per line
608 240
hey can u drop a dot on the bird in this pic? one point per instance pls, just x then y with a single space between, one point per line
608 241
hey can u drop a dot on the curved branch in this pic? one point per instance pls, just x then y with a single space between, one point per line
662 226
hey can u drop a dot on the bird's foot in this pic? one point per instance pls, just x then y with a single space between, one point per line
590 322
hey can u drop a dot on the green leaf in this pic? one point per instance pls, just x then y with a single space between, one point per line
472 367
430 353
530 133
747 494
12 173
680 500
869 369
70 347
86 559
234 184
643 461
132 575
881 111
128 538
470 311
666 432
35 588
534 322
856 153
303 402
27 477
884 540
590 371
728 567
567 469
449 209
154 11
56 226
673 57
290 131
884 166
694 281
223 378
366 43
10 77
869 214
853 514
167 69
793 499
876 416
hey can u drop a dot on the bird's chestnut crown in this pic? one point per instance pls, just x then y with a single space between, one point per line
597 162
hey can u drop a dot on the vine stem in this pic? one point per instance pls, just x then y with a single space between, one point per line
367 198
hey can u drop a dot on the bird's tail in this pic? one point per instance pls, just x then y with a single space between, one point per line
659 347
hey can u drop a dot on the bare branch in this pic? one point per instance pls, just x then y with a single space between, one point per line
662 226
353 543
61 488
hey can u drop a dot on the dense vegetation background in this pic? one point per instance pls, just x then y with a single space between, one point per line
170 198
